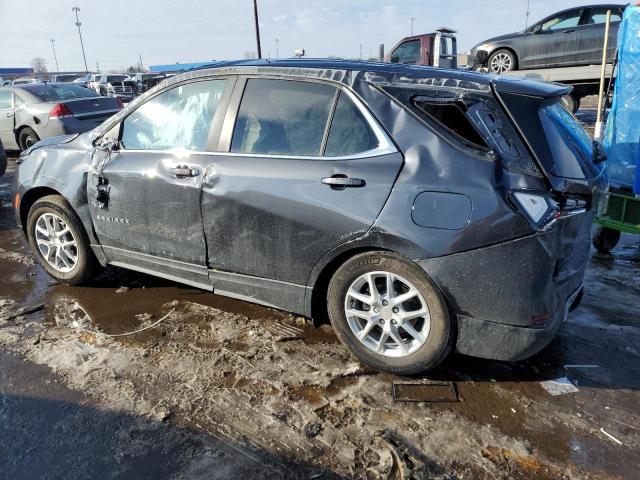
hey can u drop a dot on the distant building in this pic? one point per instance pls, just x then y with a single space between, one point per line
15 72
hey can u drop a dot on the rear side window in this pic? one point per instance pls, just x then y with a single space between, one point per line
350 133
599 16
282 117
53 93
178 118
451 117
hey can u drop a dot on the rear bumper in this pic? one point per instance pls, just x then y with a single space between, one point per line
496 341
511 299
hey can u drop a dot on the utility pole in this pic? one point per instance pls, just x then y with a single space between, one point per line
526 21
141 67
277 56
255 17
76 10
360 51
54 54
413 19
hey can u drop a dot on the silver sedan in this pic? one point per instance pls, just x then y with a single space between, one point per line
29 113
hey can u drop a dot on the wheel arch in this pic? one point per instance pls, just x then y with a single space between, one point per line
509 49
317 300
30 197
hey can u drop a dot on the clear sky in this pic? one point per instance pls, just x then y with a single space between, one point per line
169 31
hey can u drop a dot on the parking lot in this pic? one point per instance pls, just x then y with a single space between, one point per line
221 388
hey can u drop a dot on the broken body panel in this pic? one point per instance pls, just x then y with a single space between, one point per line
265 229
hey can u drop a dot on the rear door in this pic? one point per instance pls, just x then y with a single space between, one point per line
554 43
307 169
7 119
591 35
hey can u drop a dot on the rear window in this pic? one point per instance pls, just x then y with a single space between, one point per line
349 133
53 93
568 142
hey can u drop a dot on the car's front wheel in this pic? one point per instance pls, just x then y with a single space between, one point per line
502 61
389 314
59 241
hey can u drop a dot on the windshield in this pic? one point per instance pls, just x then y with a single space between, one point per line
53 93
568 142
116 78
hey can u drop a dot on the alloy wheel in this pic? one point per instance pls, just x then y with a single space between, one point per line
56 242
501 62
387 314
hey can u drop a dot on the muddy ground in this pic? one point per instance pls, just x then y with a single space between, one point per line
225 389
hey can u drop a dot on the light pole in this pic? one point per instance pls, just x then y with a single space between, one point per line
76 10
277 56
412 20
526 22
53 42
255 17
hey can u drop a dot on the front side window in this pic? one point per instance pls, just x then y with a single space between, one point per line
5 99
566 20
350 133
178 118
407 52
282 117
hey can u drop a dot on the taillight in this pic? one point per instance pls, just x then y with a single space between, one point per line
60 111
119 102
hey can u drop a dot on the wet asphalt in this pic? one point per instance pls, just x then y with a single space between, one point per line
52 426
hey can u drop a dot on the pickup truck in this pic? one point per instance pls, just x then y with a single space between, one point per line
437 49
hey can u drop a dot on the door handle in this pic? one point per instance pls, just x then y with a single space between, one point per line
8 114
569 31
340 182
183 171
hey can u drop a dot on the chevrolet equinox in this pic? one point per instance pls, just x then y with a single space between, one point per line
420 210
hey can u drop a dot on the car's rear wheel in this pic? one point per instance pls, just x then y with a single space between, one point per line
502 61
389 314
605 239
27 138
59 241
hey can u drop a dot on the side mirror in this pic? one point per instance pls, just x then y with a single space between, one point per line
536 29
395 59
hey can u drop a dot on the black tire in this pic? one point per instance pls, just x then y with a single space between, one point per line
571 102
27 138
502 53
605 239
86 265
442 331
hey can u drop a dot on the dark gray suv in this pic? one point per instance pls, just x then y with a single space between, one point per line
568 38
418 209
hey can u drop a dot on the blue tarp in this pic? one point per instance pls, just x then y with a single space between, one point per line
622 134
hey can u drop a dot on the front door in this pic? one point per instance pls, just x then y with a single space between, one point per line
152 213
554 42
308 169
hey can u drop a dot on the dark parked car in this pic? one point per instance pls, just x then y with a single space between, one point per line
31 112
568 38
419 209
